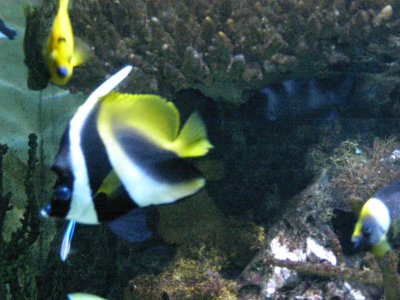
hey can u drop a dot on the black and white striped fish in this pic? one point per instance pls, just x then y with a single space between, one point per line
120 154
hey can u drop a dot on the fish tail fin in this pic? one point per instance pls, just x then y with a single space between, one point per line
63 5
192 140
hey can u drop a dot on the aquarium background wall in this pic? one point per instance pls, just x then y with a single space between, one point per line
301 100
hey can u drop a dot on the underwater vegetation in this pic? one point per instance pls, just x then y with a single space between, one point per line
191 276
16 254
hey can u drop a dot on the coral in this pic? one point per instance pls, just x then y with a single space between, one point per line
224 48
15 277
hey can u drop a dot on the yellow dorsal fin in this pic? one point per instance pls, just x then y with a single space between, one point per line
152 116
192 140
156 119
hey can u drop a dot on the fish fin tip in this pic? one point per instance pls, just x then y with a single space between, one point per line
67 240
192 140
81 52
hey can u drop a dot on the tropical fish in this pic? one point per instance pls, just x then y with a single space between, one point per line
122 153
62 52
301 99
6 31
83 296
379 218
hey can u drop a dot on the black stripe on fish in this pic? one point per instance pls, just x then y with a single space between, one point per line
110 208
160 164
61 40
97 162
98 167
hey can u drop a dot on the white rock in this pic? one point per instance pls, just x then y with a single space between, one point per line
314 248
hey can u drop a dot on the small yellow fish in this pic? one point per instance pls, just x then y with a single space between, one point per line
61 52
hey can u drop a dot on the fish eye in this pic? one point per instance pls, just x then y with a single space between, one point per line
62 72
366 230
62 193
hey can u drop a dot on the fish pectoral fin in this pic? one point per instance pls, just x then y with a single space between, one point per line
110 184
132 227
192 140
81 52
66 243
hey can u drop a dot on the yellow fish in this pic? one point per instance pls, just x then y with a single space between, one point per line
61 52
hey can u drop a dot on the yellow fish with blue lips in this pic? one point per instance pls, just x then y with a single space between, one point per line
61 52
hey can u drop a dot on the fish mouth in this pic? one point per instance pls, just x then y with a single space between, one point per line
62 72
45 211
357 241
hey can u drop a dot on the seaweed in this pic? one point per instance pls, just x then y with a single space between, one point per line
16 282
